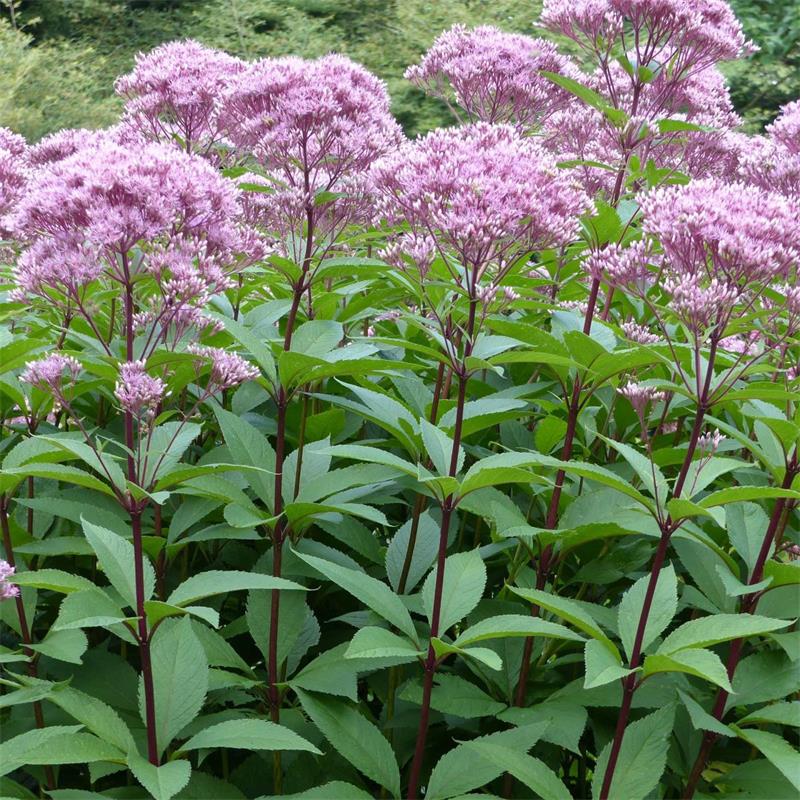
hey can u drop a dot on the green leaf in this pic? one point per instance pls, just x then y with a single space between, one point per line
213 582
180 679
116 558
440 448
248 446
776 750
778 714
646 470
482 654
506 625
55 580
694 661
664 606
738 494
718 628
465 768
701 719
616 115
464 582
425 548
162 782
535 774
454 695
248 734
570 611
371 642
89 608
333 790
370 591
355 738
59 744
63 645
641 760
602 666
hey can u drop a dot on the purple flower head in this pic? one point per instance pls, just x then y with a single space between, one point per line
82 216
62 144
314 127
639 333
766 162
14 156
50 372
622 266
691 34
7 590
494 76
227 369
786 128
640 396
723 243
138 393
728 232
479 191
173 90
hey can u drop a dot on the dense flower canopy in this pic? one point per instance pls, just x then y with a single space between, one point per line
174 89
479 191
696 32
83 216
494 76
720 241
275 379
314 127
13 174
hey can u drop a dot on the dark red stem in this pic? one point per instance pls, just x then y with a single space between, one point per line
447 511
748 606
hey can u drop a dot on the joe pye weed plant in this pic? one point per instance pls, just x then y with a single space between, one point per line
335 464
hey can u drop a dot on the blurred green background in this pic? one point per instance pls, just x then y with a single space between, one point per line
59 58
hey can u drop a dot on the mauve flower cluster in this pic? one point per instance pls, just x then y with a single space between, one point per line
478 191
314 127
494 76
13 175
138 393
173 91
49 372
7 590
227 369
721 241
83 216
773 161
64 143
687 34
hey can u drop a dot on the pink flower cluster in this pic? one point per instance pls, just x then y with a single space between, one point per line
138 393
622 266
697 33
773 161
13 174
82 216
720 241
227 369
7 590
494 76
173 91
314 127
478 191
49 372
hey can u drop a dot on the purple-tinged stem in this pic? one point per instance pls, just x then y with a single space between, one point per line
629 684
748 606
447 511
545 559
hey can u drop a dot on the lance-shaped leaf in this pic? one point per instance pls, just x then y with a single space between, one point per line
370 591
217 581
